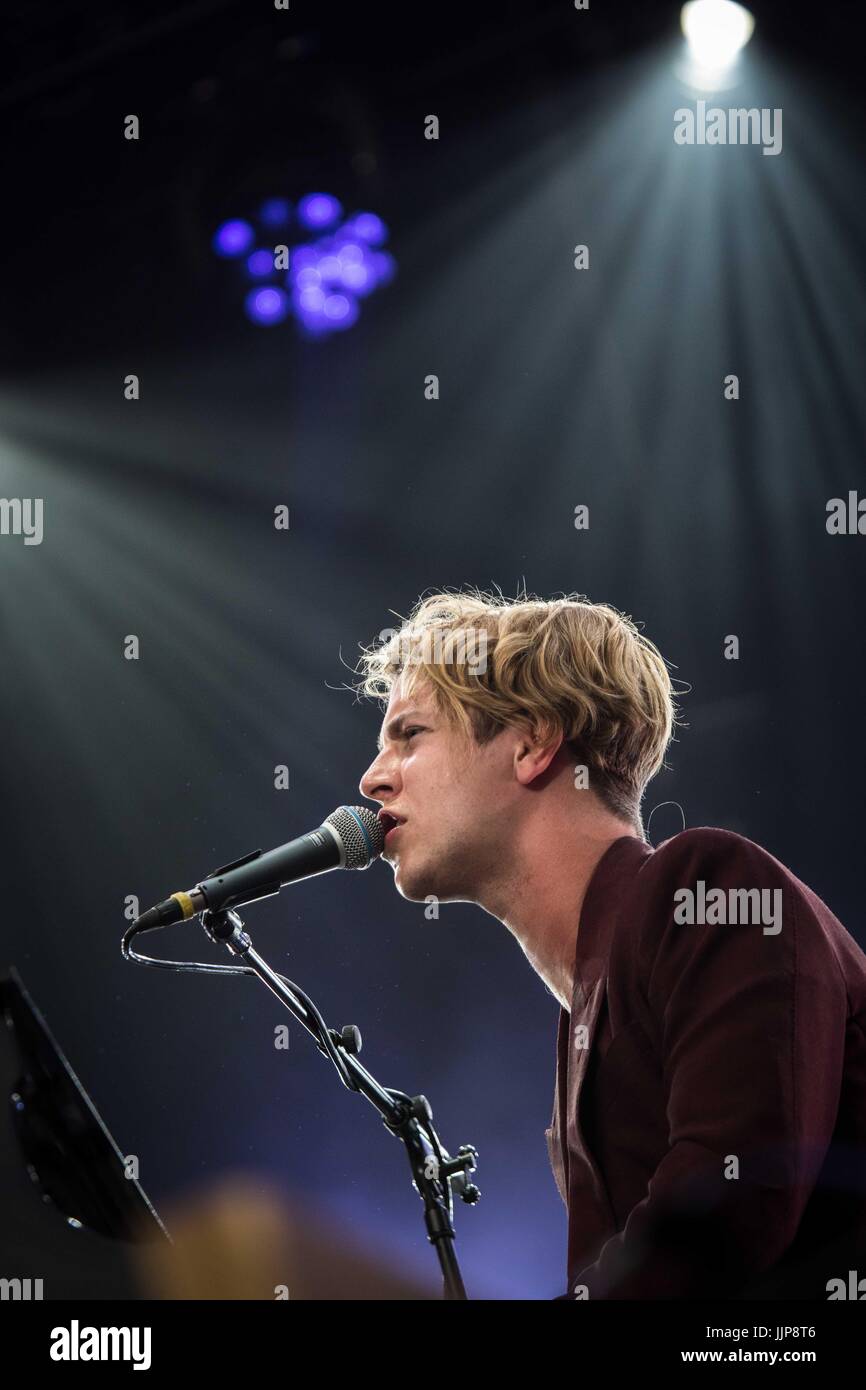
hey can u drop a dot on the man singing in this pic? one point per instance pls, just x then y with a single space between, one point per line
709 1125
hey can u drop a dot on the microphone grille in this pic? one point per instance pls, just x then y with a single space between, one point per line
361 834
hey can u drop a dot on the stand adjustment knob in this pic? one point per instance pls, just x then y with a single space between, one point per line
421 1109
351 1039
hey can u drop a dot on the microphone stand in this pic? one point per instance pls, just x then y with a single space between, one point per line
434 1172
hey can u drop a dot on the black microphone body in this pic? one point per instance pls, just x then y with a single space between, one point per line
351 838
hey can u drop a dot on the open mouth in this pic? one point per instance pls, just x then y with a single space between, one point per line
390 824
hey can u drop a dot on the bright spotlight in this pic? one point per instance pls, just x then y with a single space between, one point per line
716 30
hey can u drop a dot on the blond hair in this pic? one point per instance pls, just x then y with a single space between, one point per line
551 665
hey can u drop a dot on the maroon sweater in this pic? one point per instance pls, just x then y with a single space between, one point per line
709 1122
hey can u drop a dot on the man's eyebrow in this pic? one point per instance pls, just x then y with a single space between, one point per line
394 727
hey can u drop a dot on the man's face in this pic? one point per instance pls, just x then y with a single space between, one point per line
453 799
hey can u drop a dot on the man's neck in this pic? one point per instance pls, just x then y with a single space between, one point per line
540 896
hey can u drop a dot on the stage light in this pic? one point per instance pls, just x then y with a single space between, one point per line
233 238
326 276
369 228
340 310
311 298
267 305
357 278
330 268
383 267
275 212
308 275
319 210
260 264
716 31
302 256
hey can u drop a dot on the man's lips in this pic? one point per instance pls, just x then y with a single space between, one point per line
391 824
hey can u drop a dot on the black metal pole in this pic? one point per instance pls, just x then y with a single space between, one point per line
434 1171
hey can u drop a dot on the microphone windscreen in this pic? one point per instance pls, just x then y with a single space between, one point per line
361 834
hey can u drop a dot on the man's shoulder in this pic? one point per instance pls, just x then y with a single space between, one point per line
724 860
712 850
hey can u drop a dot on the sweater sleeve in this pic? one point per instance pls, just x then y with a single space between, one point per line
750 1023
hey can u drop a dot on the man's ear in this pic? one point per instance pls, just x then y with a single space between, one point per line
533 755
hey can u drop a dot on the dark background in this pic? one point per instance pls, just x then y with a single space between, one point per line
557 388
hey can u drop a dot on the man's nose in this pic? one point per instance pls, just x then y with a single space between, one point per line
377 784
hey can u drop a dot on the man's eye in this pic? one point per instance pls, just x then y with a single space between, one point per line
415 729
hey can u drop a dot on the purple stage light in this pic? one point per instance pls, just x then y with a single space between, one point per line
383 266
340 310
320 312
327 275
308 275
261 264
275 212
309 306
233 238
329 268
325 246
319 210
358 278
370 228
267 305
303 255
336 306
311 299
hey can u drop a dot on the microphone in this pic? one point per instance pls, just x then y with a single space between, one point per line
351 838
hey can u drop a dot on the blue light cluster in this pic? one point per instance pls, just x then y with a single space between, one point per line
338 263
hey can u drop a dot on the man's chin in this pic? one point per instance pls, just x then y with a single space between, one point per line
411 890
421 887
414 887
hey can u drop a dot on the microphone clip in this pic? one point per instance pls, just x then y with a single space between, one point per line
236 864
